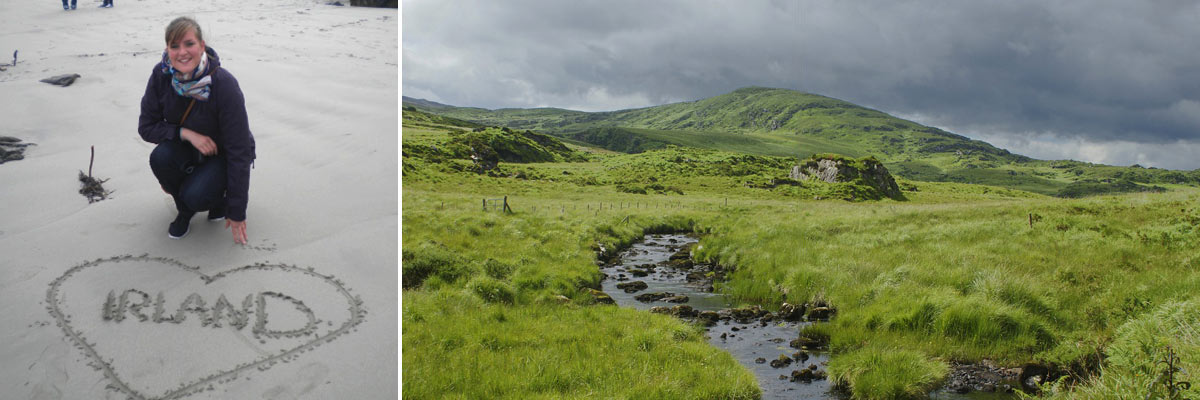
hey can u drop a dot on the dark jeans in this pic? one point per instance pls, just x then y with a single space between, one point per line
197 184
65 3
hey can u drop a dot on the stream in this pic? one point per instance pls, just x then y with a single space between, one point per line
756 343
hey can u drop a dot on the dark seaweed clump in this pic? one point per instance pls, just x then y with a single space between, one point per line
92 188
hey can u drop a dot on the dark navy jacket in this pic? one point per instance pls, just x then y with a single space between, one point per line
222 118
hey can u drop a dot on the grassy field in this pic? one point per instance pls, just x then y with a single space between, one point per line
501 305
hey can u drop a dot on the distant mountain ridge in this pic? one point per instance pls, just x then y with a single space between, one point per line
409 101
783 122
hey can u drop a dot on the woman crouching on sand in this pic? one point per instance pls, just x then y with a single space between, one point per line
194 111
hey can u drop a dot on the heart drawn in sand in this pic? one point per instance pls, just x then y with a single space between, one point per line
160 329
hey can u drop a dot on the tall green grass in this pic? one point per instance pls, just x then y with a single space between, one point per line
971 281
497 305
886 373
457 345
1135 368
956 273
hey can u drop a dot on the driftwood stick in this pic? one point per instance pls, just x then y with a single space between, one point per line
93 161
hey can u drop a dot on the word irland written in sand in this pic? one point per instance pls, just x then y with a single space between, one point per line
148 316
222 313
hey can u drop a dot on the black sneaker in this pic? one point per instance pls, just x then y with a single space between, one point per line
216 214
180 228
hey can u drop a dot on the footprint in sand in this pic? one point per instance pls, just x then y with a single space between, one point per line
303 382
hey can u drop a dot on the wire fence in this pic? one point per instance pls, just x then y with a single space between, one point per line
503 205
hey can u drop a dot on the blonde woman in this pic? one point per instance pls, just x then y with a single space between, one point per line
194 111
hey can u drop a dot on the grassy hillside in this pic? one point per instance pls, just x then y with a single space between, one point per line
780 122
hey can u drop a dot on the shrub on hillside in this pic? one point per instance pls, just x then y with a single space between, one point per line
428 261
1092 187
492 290
487 147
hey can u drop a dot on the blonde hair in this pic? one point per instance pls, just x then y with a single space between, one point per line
180 26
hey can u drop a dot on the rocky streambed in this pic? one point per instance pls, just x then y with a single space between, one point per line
657 274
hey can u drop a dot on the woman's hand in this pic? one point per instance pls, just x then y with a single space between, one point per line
239 230
204 144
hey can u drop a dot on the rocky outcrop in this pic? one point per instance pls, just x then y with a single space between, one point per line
825 170
866 172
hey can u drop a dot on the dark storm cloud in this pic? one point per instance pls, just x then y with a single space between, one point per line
1046 72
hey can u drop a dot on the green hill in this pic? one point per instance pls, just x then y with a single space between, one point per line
781 122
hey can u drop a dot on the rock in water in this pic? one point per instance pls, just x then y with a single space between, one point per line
600 297
791 312
820 313
631 287
62 80
676 299
653 297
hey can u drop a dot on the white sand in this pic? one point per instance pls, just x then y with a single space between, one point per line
321 93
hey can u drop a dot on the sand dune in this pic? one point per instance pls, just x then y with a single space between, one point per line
316 285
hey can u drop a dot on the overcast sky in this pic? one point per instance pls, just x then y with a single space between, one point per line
1114 82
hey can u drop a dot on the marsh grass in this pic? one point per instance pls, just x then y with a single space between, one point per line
973 281
1134 368
459 346
886 373
957 272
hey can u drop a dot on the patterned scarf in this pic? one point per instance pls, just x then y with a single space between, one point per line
195 84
